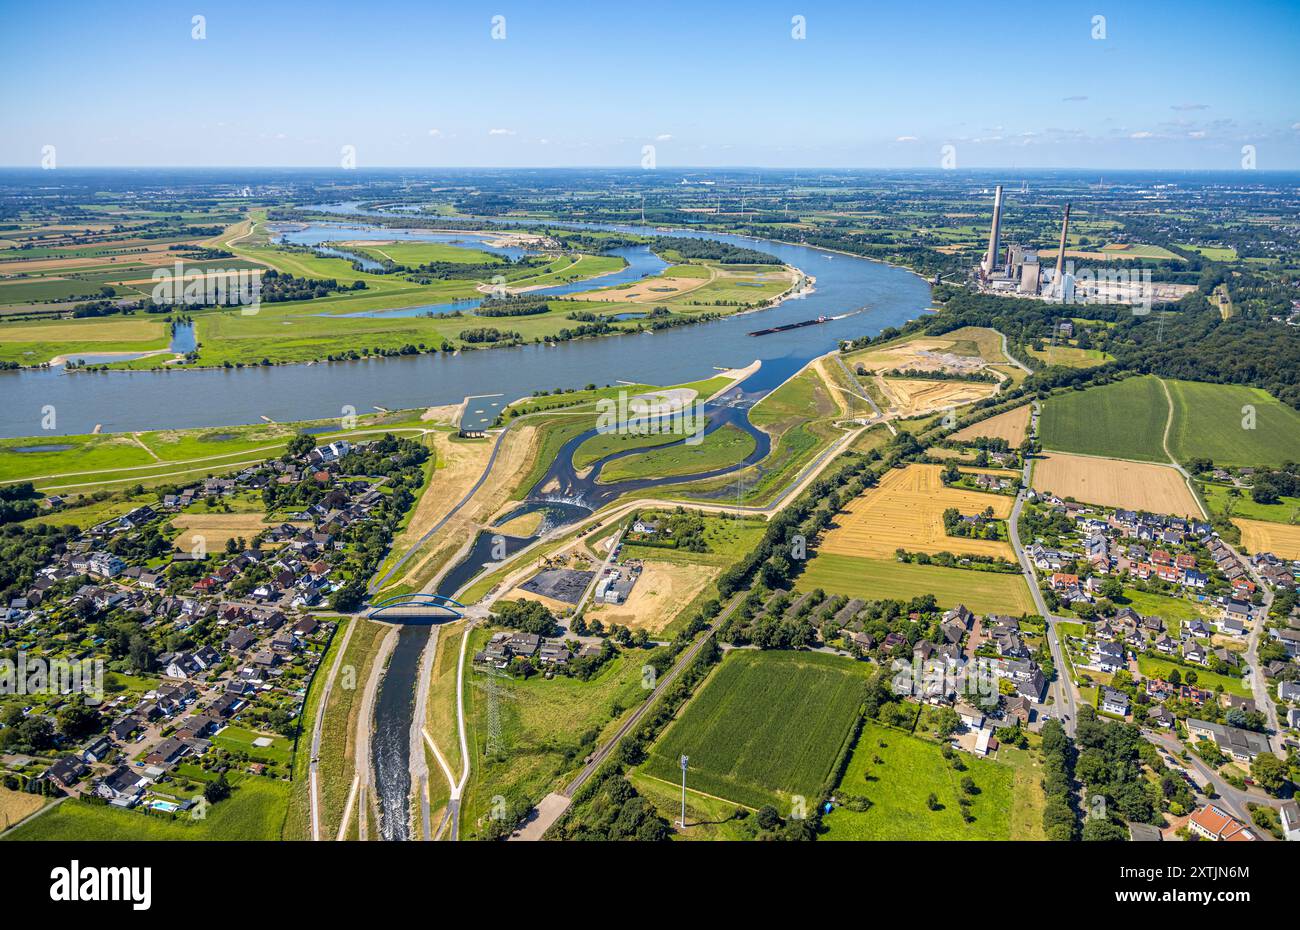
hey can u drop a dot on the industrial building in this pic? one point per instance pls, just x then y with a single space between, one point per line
1016 270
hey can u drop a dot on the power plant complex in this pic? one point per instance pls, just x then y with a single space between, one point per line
1017 270
1014 270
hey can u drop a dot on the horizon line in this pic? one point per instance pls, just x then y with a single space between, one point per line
648 171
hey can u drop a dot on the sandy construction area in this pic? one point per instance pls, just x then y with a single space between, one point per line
1281 539
906 511
657 288
465 462
1115 483
663 589
216 528
912 396
1010 426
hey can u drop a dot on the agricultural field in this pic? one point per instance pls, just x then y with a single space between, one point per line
35 343
765 727
15 805
872 579
1071 356
1011 426
1278 538
1115 483
1214 253
1211 421
897 772
1124 420
905 510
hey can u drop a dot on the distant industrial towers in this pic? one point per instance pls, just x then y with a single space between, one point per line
1017 270
991 256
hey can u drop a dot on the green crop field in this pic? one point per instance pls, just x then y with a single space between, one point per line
1123 420
764 727
1211 421
908 770
982 592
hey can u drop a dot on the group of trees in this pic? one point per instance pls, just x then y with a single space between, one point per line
711 250
18 502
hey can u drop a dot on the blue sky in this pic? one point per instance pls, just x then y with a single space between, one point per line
873 84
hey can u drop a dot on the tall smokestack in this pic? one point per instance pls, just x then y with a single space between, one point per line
991 259
1058 282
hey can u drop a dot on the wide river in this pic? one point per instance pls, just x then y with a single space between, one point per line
119 401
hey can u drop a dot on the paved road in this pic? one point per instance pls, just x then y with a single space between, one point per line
1228 796
314 774
1259 684
1065 700
862 392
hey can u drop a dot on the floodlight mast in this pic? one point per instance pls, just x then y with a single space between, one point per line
684 760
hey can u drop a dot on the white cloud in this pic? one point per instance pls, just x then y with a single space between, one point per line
1296 126
1190 106
907 139
1197 134
435 132
1142 134
501 132
664 137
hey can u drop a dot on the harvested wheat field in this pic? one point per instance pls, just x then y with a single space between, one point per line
1010 426
1281 539
15 805
906 511
216 528
663 589
1115 483
913 396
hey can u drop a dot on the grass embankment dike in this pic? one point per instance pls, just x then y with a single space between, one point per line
84 463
